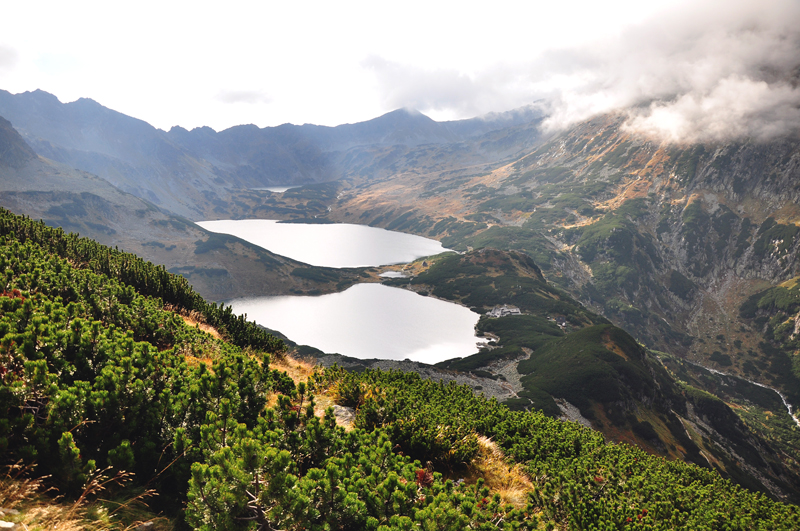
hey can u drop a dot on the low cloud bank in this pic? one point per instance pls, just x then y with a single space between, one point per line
243 96
8 57
712 72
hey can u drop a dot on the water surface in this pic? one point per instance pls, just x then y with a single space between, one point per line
393 274
329 245
370 321
279 189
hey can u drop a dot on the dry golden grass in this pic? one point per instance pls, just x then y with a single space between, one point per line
208 329
302 371
195 319
509 481
297 369
194 361
613 347
16 488
791 283
46 515
789 214
25 502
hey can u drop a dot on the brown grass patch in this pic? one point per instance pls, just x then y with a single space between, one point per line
655 165
509 481
25 502
208 329
298 370
612 432
629 189
789 214
613 347
194 319
302 371
194 361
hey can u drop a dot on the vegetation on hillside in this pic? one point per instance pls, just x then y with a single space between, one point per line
775 312
563 352
101 378
581 482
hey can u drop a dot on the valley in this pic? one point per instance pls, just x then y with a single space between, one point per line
657 282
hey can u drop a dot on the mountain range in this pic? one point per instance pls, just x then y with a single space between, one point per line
157 165
675 265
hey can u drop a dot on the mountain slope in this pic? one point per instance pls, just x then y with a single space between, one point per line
219 267
96 369
128 153
665 241
569 362
657 237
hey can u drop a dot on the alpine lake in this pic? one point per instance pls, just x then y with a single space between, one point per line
365 321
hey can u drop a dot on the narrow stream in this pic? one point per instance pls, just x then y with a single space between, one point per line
783 397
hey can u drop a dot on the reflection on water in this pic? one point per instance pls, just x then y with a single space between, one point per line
370 321
330 245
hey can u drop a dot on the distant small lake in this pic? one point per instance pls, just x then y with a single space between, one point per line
393 274
329 245
278 189
370 321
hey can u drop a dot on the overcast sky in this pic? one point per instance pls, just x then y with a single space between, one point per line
692 69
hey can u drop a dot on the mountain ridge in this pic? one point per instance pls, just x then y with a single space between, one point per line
153 164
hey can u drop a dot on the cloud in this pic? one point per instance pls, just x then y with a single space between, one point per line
445 89
707 71
416 88
736 107
8 57
243 96
710 73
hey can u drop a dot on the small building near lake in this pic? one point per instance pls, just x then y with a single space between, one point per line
504 311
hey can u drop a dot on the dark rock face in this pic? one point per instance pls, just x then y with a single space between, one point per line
14 152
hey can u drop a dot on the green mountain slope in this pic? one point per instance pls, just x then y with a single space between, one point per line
562 358
97 371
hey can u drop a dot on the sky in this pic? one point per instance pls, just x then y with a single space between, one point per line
680 70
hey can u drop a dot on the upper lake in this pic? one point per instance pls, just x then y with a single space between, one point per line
329 245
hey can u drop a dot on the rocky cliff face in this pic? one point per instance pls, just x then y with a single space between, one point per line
685 233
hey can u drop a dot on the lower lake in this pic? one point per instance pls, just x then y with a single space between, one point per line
370 321
329 245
